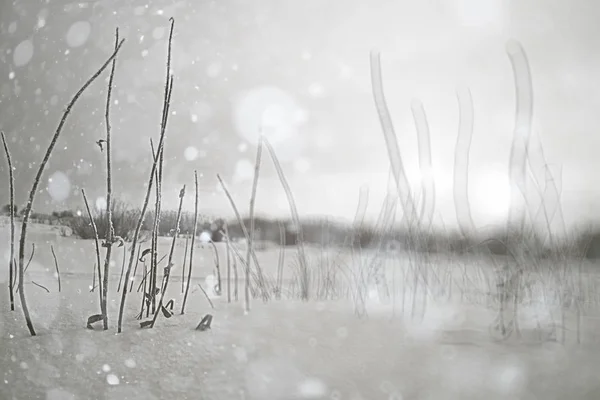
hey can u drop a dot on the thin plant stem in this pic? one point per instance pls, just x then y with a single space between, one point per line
189 277
185 252
11 264
97 243
228 263
109 239
122 270
56 266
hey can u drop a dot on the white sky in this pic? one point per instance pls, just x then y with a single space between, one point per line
303 67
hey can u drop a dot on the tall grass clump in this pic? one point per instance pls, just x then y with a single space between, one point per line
163 130
36 182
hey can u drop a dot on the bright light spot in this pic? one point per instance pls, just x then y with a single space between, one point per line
79 213
130 363
112 379
316 90
158 33
41 22
59 394
312 388
144 53
491 193
106 368
11 75
346 72
59 186
480 13
301 165
23 53
211 283
201 111
78 33
270 109
244 170
510 378
12 28
213 70
240 355
205 237
101 204
324 141
234 67
190 153
242 147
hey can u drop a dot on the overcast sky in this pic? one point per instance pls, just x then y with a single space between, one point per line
305 65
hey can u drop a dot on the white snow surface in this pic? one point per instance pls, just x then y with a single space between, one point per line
285 349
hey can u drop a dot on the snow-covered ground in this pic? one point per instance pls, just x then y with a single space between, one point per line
288 349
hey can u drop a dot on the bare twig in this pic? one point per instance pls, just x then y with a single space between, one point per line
43 287
251 238
137 261
27 265
11 264
97 243
56 266
206 295
189 277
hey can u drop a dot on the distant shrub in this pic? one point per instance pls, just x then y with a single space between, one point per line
6 209
124 221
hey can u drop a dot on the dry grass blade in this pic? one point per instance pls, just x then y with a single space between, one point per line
391 140
295 218
251 215
461 162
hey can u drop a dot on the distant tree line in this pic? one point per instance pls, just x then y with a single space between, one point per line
317 231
